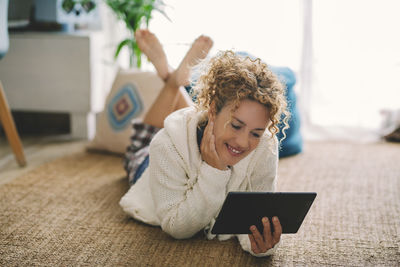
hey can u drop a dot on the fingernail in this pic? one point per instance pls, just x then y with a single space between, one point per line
265 219
275 219
253 228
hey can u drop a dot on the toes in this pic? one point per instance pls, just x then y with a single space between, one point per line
140 33
144 34
204 41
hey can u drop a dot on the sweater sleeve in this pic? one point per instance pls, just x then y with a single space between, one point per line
265 171
182 206
244 241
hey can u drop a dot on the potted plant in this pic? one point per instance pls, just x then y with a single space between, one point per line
134 13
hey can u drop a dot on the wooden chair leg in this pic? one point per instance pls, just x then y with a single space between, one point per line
9 127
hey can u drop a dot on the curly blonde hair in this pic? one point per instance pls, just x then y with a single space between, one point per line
230 78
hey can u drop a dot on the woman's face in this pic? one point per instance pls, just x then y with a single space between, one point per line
242 134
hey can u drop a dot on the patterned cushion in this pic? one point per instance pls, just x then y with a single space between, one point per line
124 106
131 95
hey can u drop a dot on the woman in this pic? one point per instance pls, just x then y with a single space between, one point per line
225 143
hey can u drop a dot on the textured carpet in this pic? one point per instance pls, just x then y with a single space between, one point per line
66 213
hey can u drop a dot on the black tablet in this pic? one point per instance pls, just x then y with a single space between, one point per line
243 209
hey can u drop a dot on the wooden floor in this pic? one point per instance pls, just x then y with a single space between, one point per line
38 150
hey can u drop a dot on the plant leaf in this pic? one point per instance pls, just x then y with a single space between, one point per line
138 54
134 13
163 13
119 47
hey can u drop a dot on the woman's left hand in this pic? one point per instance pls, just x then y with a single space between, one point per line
260 243
208 149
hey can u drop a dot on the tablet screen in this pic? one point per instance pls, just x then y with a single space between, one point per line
243 209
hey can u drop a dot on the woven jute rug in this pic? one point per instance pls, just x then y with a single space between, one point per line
66 213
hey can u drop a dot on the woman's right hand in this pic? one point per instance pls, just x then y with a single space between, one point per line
261 243
208 149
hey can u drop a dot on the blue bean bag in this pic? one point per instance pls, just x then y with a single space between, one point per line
293 143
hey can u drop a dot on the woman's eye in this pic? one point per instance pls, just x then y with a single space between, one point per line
256 135
236 127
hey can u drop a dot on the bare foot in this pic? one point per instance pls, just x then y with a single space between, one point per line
199 50
152 48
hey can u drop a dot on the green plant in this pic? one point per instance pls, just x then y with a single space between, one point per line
134 13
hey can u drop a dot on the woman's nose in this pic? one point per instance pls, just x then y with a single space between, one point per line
242 140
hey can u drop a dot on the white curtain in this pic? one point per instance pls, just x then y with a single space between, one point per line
355 62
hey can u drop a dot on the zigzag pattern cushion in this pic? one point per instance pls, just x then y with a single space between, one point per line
124 106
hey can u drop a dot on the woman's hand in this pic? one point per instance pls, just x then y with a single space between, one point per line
262 243
207 147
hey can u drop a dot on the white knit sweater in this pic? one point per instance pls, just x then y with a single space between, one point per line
182 193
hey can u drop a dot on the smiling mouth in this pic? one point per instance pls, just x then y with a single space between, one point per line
233 151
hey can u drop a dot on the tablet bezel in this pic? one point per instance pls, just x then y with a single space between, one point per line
243 209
